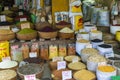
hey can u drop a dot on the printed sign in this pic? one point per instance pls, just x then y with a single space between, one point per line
66 75
61 65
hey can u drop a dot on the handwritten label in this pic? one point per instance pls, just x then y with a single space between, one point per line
102 64
57 59
61 65
114 22
110 54
25 25
75 59
33 54
23 19
6 8
79 37
6 58
30 77
66 75
5 27
93 29
20 13
88 45
3 18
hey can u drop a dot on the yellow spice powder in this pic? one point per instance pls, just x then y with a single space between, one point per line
106 68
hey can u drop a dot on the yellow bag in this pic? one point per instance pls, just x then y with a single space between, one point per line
76 9
4 49
78 22
53 51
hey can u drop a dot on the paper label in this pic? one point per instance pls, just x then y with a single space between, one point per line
61 65
20 13
66 75
114 22
20 7
75 59
5 27
30 77
6 58
110 54
23 19
6 8
33 54
88 45
14 5
57 59
3 18
93 29
25 25
102 63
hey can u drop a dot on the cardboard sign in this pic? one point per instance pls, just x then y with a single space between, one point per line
33 54
3 18
88 45
25 25
66 75
61 65
57 59
30 77
23 19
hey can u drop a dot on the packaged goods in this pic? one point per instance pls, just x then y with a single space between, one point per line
77 66
71 49
85 53
16 53
7 74
35 48
88 75
25 50
4 49
53 51
62 50
44 54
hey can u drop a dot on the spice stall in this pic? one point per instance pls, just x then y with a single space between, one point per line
59 40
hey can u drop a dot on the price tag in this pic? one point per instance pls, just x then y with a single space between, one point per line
87 23
5 27
75 59
23 19
110 54
93 29
25 25
33 54
30 77
57 59
20 7
61 65
20 13
88 45
66 75
102 63
3 18
14 5
114 22
6 58
6 8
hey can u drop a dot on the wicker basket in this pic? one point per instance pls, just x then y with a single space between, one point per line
38 75
62 26
66 35
4 37
28 36
47 35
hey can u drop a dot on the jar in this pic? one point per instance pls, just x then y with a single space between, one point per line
25 50
71 49
62 50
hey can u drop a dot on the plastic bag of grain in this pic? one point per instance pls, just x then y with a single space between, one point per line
93 60
85 53
105 72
